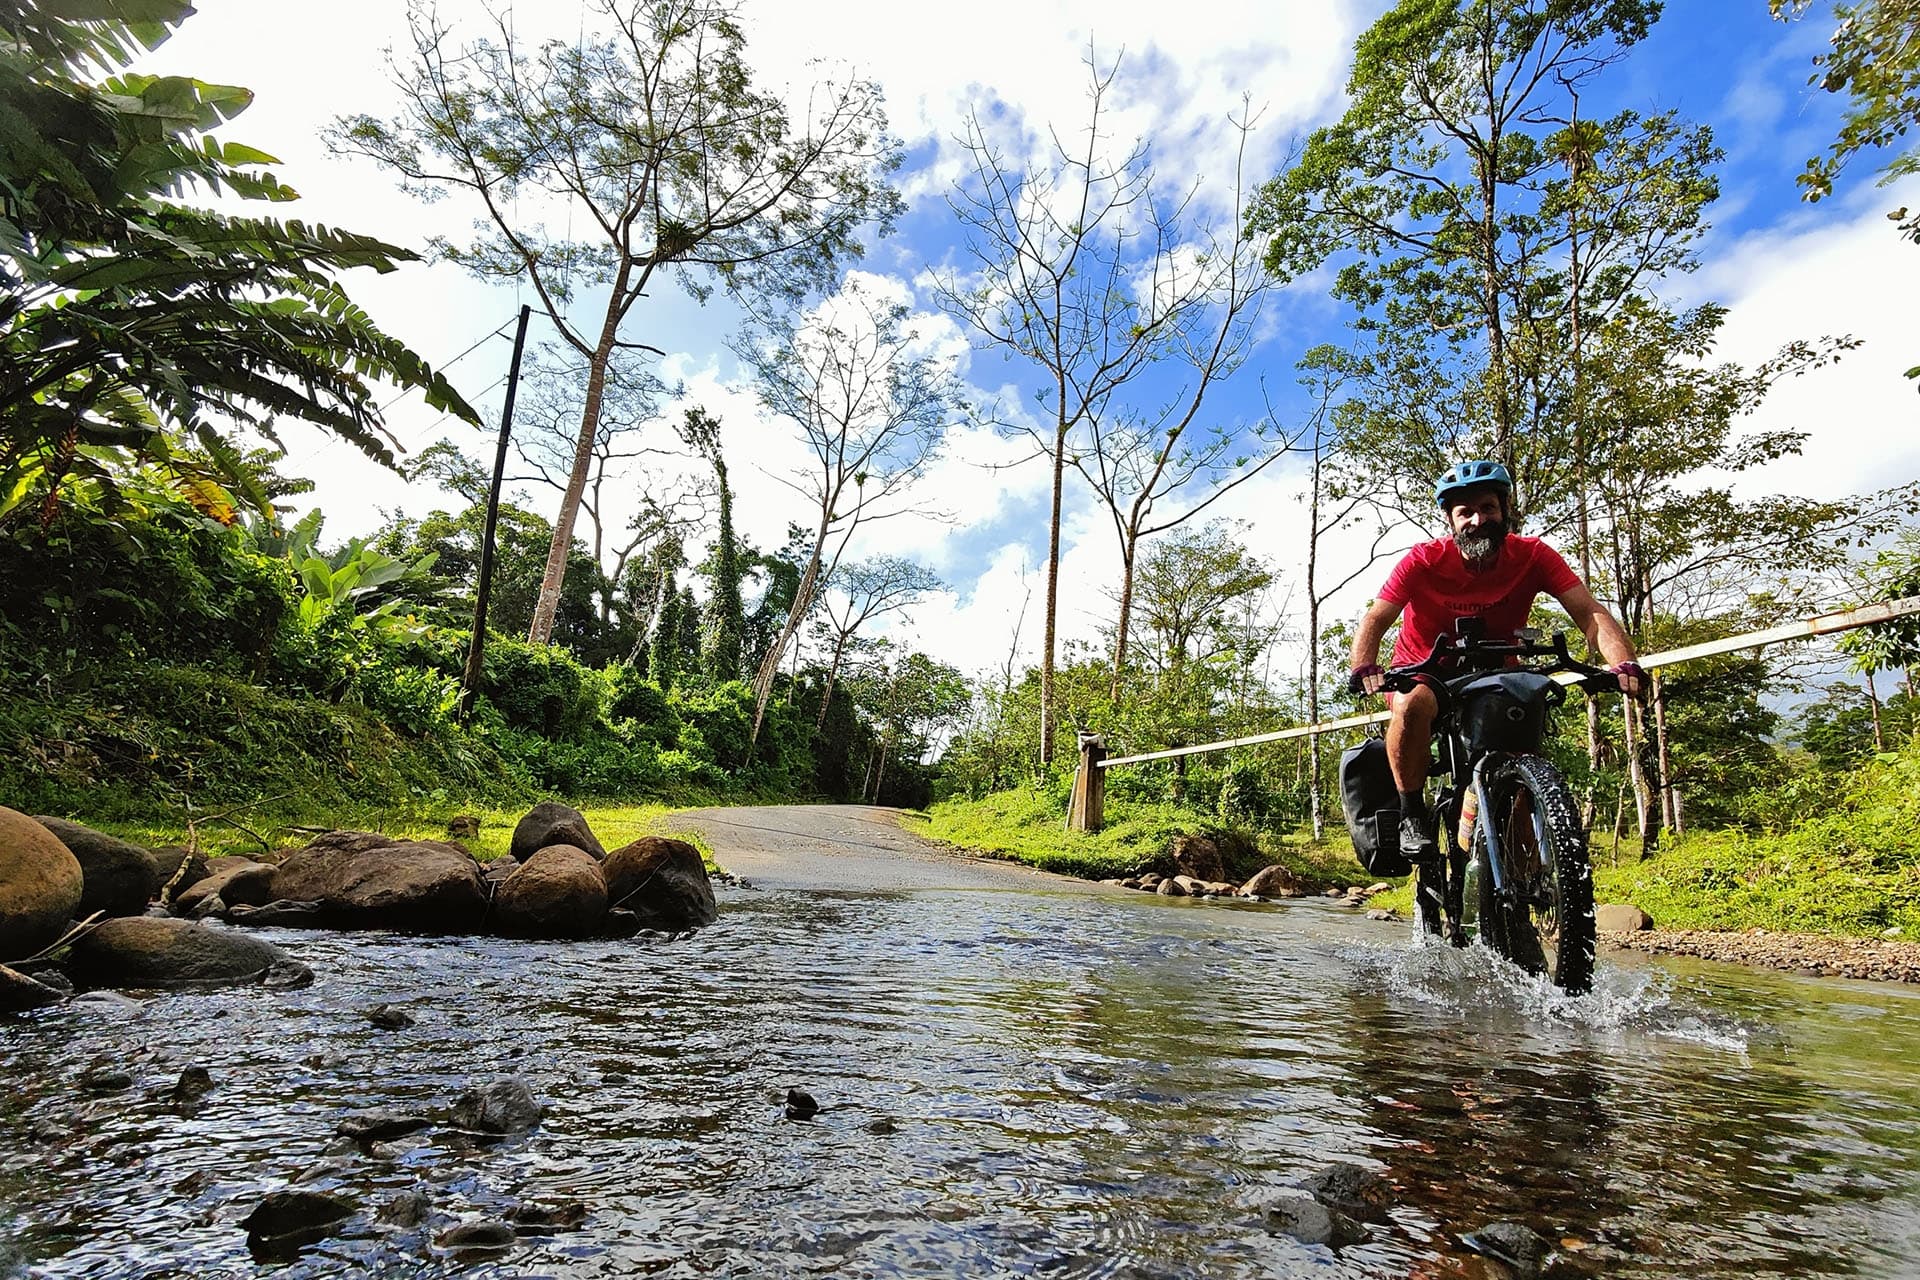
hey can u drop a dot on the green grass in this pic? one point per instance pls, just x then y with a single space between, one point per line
1026 825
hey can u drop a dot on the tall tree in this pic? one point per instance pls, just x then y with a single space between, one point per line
1069 264
1439 179
654 135
872 409
726 630
132 323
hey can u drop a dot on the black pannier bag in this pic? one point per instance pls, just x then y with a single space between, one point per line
1373 808
1507 711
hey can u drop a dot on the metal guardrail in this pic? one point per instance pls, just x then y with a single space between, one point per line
1804 629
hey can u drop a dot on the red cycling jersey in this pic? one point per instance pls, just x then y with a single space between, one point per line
1436 586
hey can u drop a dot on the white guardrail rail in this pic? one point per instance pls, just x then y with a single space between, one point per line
1804 629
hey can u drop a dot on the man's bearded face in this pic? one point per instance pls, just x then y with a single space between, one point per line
1479 522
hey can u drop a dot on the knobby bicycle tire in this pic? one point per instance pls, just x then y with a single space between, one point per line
1546 924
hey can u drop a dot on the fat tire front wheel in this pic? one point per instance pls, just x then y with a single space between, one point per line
1544 920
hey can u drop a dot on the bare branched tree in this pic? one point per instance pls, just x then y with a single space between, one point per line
859 593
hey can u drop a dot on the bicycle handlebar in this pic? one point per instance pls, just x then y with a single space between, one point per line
1450 650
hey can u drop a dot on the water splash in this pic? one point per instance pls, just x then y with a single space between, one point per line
1475 980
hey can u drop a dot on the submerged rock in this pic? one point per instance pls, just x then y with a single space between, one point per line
801 1105
117 878
40 885
559 892
1351 1189
486 1233
295 1217
363 880
389 1017
663 882
377 1124
549 823
1514 1243
154 951
539 1219
1298 1214
504 1106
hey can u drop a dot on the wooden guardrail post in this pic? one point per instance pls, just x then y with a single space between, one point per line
1087 810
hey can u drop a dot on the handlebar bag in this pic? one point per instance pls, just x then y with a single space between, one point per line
1507 711
1372 807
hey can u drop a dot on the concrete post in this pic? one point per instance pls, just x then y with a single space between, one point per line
1087 810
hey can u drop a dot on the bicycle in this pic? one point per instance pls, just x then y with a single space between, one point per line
1527 878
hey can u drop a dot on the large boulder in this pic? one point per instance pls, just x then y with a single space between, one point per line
548 823
1199 857
235 881
662 881
367 881
40 885
1272 882
158 951
1620 917
116 878
557 893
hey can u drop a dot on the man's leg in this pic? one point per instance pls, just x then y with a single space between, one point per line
1409 752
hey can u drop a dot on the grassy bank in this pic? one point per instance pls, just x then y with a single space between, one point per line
1028 825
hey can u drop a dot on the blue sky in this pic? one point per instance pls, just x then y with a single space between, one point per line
1788 270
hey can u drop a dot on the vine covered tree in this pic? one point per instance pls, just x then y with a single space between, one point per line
652 134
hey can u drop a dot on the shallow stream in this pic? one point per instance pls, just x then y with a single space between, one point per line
1012 1083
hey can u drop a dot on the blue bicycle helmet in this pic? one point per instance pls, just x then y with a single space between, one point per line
1471 475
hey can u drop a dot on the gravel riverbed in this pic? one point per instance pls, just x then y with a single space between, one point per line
1815 954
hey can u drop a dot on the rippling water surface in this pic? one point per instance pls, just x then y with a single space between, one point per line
1012 1084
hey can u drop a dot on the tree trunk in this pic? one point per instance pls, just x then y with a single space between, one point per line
1873 704
540 630
1646 798
1669 794
1126 611
1053 589
833 670
770 664
1315 817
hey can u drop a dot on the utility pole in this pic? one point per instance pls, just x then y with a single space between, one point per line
476 647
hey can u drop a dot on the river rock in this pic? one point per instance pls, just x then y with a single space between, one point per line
294 1216
1199 857
176 859
20 991
1514 1243
530 1218
281 911
662 881
377 1124
463 826
484 1233
1298 1214
548 823
363 880
1351 1189
1619 917
254 887
559 892
195 1083
1171 887
117 878
503 1106
40 885
155 951
1275 881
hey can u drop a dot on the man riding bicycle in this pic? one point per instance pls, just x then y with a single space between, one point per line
1482 571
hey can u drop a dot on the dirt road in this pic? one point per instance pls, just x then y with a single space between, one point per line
842 846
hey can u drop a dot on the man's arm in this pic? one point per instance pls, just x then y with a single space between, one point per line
1604 633
1379 616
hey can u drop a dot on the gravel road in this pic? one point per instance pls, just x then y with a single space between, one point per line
845 846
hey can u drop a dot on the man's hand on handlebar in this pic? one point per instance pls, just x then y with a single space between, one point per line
1630 675
1367 679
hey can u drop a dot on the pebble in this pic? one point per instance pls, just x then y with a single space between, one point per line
1812 954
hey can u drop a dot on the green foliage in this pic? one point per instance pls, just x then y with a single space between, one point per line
132 323
1843 861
